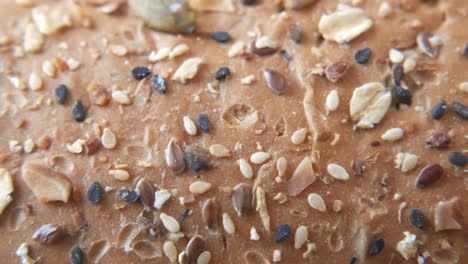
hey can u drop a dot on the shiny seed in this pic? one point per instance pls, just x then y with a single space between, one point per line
203 123
336 71
337 172
438 140
219 151
78 111
175 157
396 56
61 93
275 81
49 234
170 223
245 168
404 96
299 136
120 175
260 157
376 246
209 213
300 237
241 199
460 109
159 84
393 134
439 110
139 73
362 55
95 193
457 159
295 33
285 55
220 36
264 46
417 218
76 255
425 46
316 201
147 192
282 233
429 175
189 126
353 260
222 73
228 224
397 74
197 158
199 187
194 248
128 195
204 258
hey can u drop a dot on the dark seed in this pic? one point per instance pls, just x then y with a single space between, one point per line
362 55
357 167
146 191
285 55
336 71
275 81
439 110
61 93
465 51
429 175
184 214
417 218
209 213
222 73
128 196
76 255
457 159
78 112
139 73
220 36
159 84
198 159
404 96
262 51
376 246
203 123
397 74
375 143
49 234
295 33
438 140
247 2
194 248
95 193
353 260
460 110
425 46
282 233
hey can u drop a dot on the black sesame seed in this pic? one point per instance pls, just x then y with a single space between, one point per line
220 36
222 73
78 111
460 110
159 84
353 260
61 93
139 73
362 55
417 218
404 96
397 74
203 123
376 246
128 196
76 255
465 51
247 2
95 193
439 110
184 214
282 233
285 55
457 159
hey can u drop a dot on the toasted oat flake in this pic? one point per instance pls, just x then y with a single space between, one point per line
332 101
170 223
262 208
245 168
254 234
393 134
199 187
108 139
300 237
260 157
316 201
299 136
345 24
228 224
50 20
120 175
187 70
179 50
121 97
337 172
35 82
408 247
33 41
189 126
160 198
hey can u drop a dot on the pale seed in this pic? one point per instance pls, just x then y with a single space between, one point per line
179 50
204 258
121 97
281 166
259 157
254 234
199 187
396 56
299 136
108 139
49 68
337 172
170 223
245 168
35 82
332 101
276 255
120 175
189 126
170 251
316 201
393 134
219 151
300 237
228 224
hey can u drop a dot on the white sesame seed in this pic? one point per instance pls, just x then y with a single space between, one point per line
409 64
160 55
204 258
120 175
259 157
178 50
199 187
228 224
248 79
316 201
189 126
276 255
332 101
245 168
28 145
254 234
108 139
337 172
170 251
35 82
49 68
219 151
170 223
121 97
393 134
281 166
300 237
299 136
396 56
